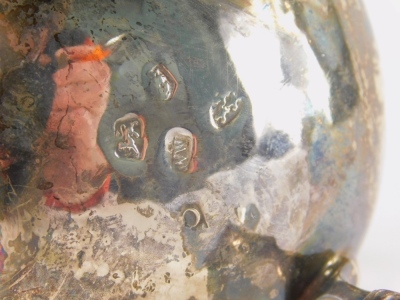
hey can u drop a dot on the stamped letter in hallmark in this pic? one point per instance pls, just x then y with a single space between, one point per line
180 149
164 82
130 137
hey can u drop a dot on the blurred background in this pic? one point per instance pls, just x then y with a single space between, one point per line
379 256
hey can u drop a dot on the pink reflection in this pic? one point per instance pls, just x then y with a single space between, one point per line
75 165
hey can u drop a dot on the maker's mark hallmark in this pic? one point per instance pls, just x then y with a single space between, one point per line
164 82
225 111
180 149
130 137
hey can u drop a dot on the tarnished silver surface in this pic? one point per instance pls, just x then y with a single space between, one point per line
209 150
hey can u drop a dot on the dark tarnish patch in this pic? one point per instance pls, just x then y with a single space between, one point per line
146 211
274 144
80 256
237 269
25 106
344 91
247 139
240 250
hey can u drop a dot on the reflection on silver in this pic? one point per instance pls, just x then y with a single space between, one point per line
181 148
225 111
329 297
349 272
130 138
115 40
248 216
114 43
241 214
164 82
